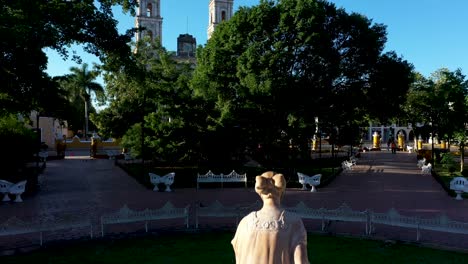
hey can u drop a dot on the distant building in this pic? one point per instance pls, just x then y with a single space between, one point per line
186 45
50 128
186 49
219 11
149 17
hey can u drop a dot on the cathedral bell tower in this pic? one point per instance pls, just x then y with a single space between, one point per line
149 17
219 11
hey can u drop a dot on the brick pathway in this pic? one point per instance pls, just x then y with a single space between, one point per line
87 188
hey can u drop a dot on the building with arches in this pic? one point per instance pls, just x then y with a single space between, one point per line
149 17
219 11
392 131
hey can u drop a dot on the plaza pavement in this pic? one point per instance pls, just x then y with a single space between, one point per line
88 188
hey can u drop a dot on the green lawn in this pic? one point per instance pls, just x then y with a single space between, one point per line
215 247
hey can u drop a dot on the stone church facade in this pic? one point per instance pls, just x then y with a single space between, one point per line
149 17
219 11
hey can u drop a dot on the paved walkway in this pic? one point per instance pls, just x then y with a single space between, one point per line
88 188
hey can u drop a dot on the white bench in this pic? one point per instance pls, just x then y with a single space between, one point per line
43 156
128 156
313 181
5 189
17 189
112 154
426 169
409 148
459 185
167 179
421 162
231 177
347 165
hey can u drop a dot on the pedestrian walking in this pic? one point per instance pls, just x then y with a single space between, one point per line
393 147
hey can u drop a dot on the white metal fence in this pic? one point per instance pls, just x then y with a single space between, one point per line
14 226
126 215
344 213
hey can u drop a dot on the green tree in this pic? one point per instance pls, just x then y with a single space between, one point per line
81 85
439 102
29 27
273 68
21 143
451 89
418 100
152 98
391 79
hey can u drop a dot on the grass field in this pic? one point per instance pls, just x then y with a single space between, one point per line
215 247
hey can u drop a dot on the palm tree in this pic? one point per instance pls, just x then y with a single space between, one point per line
82 82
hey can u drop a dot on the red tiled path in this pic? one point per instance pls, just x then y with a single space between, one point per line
87 188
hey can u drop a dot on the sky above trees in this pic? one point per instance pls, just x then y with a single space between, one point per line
431 34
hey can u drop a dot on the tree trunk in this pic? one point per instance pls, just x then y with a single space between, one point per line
462 156
86 118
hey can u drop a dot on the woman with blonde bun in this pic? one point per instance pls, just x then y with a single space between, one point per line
270 235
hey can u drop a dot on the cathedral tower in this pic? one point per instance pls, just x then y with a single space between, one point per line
149 17
219 11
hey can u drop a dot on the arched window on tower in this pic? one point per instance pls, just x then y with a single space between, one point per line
149 10
149 33
223 15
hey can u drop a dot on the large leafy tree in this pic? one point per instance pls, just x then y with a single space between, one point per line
151 104
419 100
81 85
439 102
273 68
28 27
21 143
450 91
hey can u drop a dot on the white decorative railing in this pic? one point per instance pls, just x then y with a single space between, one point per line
210 177
126 215
15 226
393 218
342 213
346 214
440 223
216 209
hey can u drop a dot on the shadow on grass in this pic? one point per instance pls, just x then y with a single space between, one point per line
215 247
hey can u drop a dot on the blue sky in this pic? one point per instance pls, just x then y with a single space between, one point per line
430 34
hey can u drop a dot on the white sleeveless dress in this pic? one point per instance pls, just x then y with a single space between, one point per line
268 241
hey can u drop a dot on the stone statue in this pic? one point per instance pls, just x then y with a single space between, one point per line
270 235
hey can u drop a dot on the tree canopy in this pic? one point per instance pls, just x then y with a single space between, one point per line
273 68
440 104
28 27
79 86
152 95
439 101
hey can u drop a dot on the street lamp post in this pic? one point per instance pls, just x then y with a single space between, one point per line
432 141
432 147
38 133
